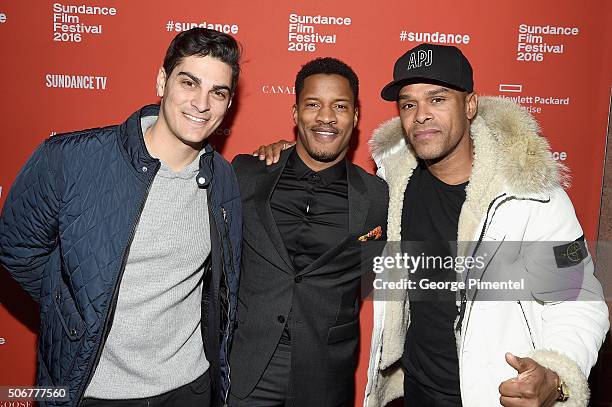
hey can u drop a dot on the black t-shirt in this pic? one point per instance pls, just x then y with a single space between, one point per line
430 214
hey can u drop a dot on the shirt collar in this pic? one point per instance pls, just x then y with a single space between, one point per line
327 176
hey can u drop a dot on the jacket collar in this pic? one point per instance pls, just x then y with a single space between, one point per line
132 140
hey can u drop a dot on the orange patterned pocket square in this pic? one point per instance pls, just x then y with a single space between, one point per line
373 234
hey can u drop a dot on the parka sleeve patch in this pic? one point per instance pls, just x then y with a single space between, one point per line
570 254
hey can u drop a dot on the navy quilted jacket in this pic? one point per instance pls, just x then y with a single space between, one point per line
65 231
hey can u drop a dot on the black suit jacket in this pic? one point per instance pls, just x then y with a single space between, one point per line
323 298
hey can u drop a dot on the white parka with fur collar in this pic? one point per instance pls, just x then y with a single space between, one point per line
514 174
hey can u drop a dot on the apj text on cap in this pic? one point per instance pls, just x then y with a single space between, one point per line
430 63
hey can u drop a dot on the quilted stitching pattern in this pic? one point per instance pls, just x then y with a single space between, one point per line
28 205
72 270
64 229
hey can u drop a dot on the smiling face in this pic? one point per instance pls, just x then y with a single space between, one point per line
325 116
195 98
437 120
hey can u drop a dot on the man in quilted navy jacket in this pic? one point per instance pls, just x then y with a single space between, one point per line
129 237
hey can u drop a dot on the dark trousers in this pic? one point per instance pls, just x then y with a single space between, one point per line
196 393
417 395
274 387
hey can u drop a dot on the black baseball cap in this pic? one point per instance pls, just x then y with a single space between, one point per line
430 63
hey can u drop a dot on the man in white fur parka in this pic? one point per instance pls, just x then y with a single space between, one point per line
469 169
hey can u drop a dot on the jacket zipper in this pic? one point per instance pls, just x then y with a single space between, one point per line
227 327
111 312
526 323
487 223
463 302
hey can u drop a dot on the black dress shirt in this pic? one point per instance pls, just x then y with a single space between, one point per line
310 209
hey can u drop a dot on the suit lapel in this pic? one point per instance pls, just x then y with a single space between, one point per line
263 192
359 205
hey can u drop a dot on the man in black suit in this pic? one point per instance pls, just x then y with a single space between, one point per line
305 218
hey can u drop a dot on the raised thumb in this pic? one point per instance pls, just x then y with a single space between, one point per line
517 363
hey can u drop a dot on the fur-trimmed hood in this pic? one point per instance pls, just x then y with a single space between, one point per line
510 156
520 153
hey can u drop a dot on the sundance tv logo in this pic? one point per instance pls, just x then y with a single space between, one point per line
278 89
76 81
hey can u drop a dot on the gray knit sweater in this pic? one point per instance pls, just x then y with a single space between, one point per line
155 342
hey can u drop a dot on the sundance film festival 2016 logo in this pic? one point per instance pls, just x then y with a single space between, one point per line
2 18
533 43
71 22
304 35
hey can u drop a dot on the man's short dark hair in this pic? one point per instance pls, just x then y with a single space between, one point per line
329 66
203 42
